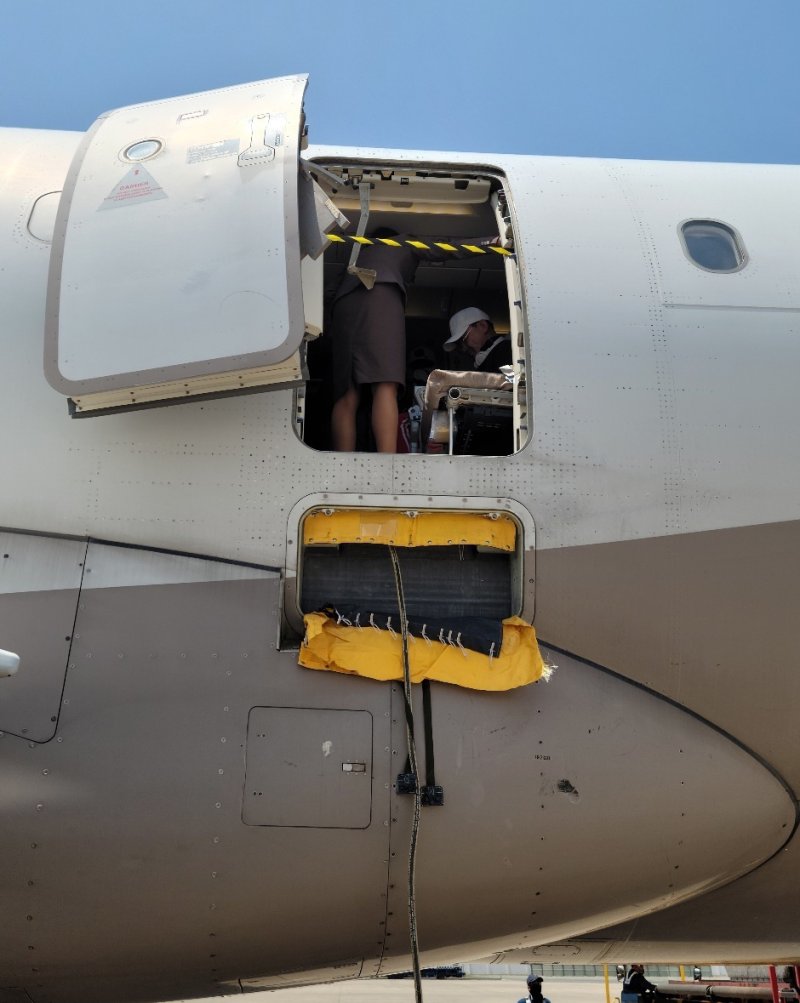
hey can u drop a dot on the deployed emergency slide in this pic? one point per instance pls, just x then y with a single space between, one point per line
356 628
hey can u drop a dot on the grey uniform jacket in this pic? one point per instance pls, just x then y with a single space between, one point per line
397 265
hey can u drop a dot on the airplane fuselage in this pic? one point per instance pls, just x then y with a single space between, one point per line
171 822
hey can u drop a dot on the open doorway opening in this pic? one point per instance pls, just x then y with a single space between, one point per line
447 405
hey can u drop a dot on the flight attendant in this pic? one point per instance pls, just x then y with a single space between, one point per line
369 335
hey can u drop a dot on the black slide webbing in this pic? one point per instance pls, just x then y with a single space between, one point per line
430 772
427 716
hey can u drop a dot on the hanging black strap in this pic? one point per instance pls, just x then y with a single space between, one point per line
407 781
430 770
432 795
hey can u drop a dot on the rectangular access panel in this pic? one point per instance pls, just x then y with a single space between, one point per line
308 767
175 267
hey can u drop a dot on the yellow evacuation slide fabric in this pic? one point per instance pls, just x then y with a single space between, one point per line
406 529
378 654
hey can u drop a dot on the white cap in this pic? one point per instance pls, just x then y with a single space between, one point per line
459 323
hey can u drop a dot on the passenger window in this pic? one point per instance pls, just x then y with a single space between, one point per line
713 246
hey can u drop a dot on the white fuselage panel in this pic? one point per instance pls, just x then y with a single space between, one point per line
663 396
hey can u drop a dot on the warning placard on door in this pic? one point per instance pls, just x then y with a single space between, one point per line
136 187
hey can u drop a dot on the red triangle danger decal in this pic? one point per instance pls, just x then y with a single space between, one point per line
136 187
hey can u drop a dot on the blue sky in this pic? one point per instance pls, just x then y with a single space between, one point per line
666 79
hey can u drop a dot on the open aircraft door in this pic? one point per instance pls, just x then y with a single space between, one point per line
176 261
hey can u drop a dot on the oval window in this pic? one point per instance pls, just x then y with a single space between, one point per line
145 149
713 246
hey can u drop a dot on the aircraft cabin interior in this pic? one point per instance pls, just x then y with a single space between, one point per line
445 406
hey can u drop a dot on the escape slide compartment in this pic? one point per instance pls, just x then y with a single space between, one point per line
176 260
455 571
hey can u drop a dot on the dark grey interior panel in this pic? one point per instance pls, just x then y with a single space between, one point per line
437 581
308 767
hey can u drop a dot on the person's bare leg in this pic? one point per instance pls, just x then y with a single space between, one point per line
343 421
384 417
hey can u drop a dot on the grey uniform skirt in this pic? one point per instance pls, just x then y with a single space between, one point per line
369 338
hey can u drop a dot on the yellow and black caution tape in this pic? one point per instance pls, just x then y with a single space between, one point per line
419 245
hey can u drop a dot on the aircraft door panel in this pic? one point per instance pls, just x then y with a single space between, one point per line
176 253
308 767
40 579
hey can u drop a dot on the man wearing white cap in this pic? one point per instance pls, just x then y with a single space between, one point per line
472 330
